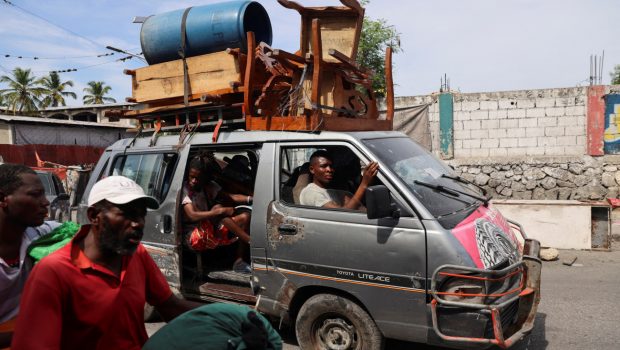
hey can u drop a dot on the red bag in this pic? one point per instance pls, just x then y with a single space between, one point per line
205 237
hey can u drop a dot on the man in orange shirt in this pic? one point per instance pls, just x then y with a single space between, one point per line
91 293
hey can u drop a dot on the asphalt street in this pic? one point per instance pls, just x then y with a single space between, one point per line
580 306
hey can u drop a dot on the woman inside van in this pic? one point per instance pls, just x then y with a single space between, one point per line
206 223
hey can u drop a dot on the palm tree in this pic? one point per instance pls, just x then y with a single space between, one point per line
55 91
2 106
95 93
24 92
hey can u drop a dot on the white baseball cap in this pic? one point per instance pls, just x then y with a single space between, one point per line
119 190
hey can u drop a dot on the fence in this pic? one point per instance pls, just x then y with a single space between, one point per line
59 154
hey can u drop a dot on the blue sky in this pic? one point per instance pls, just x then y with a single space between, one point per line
482 45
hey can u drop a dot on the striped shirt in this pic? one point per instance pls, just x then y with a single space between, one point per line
12 279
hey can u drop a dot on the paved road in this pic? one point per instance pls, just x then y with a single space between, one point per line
580 306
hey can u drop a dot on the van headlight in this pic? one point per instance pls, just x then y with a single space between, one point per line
463 291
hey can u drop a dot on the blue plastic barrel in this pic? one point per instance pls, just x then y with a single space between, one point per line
209 28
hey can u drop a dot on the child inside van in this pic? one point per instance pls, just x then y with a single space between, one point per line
199 200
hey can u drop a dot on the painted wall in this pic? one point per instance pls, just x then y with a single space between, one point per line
612 124
540 221
446 125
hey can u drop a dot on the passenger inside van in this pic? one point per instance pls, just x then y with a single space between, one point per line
200 198
236 175
320 192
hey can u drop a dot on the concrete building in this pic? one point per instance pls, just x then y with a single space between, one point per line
99 113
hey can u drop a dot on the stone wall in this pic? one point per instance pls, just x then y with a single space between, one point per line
562 177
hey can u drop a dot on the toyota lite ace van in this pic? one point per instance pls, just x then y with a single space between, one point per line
426 259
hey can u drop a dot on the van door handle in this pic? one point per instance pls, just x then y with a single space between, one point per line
287 229
166 221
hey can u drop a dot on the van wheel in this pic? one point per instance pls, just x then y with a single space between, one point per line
330 322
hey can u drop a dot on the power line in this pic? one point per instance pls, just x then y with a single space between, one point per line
69 70
76 34
126 53
57 57
52 23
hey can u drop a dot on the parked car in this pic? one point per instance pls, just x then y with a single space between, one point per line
429 260
55 193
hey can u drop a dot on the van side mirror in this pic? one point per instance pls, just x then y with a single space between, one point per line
379 203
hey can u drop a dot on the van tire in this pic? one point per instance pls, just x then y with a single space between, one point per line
327 321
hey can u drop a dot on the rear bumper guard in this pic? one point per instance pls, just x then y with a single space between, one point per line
527 295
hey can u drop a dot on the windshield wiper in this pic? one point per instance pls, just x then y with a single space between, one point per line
462 180
452 191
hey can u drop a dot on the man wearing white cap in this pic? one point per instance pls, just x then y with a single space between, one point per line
91 293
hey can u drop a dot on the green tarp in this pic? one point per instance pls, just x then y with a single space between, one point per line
212 327
45 245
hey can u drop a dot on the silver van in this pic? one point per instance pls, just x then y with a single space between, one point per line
428 260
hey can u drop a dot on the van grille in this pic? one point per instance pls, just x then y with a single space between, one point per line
508 316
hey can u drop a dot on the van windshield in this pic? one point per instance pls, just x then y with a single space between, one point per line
430 180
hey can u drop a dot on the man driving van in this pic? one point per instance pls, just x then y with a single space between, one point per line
319 194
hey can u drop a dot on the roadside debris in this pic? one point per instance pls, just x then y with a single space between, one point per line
549 254
569 262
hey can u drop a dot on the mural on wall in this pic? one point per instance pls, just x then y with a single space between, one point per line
612 124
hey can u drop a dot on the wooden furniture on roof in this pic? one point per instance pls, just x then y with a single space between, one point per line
319 87
341 27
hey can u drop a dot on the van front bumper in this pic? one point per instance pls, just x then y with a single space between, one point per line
500 317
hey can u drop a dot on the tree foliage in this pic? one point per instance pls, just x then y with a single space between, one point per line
55 91
615 75
24 91
27 93
377 36
96 93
